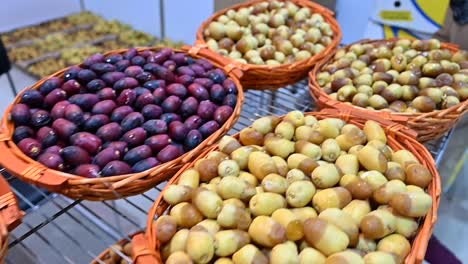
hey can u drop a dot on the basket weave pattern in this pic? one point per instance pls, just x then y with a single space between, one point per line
272 76
105 188
10 216
101 258
146 247
431 125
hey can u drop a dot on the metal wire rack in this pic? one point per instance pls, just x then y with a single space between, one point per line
56 229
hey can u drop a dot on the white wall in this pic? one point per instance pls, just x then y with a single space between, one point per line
353 16
182 17
20 13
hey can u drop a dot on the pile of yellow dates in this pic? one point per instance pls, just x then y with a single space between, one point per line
296 190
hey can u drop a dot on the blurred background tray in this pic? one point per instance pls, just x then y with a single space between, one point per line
44 48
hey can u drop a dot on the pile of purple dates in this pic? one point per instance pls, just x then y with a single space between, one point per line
123 113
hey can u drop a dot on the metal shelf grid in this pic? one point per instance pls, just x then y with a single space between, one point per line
60 230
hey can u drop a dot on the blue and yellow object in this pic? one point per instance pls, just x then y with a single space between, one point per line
404 17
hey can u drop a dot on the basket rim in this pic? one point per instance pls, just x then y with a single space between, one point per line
7 129
10 215
121 242
397 139
327 14
316 90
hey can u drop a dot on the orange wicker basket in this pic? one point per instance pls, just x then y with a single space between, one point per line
146 247
269 76
431 125
10 215
108 252
105 188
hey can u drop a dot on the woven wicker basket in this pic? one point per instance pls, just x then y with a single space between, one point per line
269 76
105 188
10 215
146 247
107 252
431 125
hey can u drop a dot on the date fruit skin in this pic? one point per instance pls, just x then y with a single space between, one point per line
116 167
144 99
151 111
230 100
178 131
198 91
171 104
121 146
40 118
158 142
85 101
50 84
134 137
113 58
87 170
101 68
87 141
159 95
33 98
152 85
137 154
53 149
127 97
75 156
155 126
106 155
208 128
122 65
176 89
193 139
54 97
64 128
120 113
104 107
58 110
109 132
51 160
206 109
133 71
71 87
74 114
132 121
22 132
222 114
170 117
145 164
169 153
30 147
95 122
20 114
217 93
93 59
111 77
71 73
205 82
230 86
185 79
47 136
194 122
189 107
